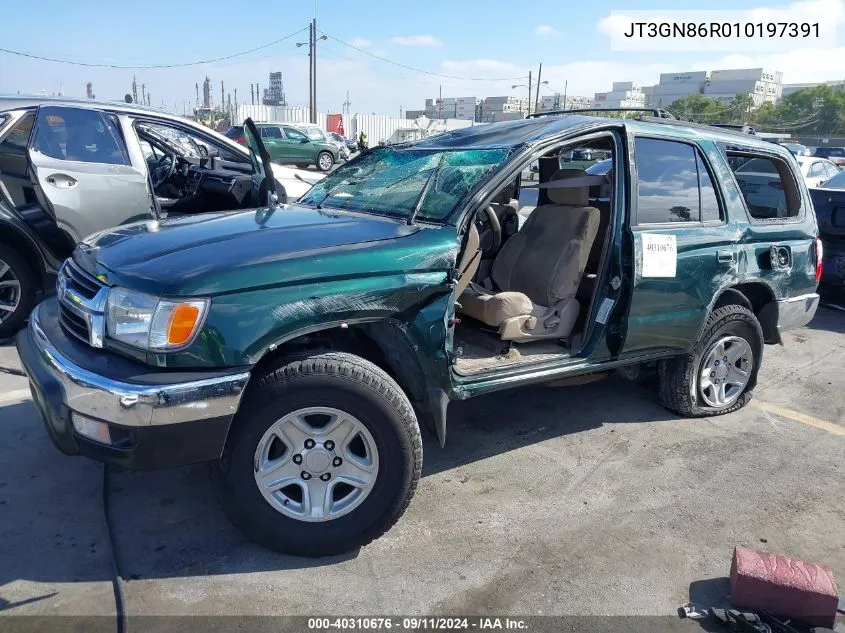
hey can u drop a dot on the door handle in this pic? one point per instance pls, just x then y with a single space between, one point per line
61 181
725 257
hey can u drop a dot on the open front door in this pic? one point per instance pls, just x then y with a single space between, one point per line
82 168
262 168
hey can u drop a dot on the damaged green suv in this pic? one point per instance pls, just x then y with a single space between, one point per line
301 347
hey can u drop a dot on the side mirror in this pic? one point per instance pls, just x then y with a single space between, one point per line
304 140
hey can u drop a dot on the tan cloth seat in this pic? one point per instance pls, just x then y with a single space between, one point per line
538 270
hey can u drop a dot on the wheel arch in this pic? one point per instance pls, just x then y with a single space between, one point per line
386 343
758 297
15 238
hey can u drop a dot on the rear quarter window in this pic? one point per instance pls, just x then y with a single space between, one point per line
767 184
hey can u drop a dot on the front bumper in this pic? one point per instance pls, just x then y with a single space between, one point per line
796 312
156 419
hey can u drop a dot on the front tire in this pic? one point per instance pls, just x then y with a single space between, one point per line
325 161
322 458
719 375
17 291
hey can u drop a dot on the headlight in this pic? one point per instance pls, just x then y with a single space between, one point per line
147 322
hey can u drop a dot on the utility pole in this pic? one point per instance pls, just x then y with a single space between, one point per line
313 60
222 96
143 94
440 103
537 97
346 103
134 90
529 92
565 86
198 94
236 102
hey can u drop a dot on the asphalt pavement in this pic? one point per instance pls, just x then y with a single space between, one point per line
588 500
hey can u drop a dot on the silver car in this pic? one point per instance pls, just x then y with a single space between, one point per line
70 168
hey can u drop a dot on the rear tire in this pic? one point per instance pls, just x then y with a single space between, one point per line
325 161
688 384
17 291
278 517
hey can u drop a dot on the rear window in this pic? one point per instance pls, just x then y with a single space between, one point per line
837 182
235 132
767 185
830 151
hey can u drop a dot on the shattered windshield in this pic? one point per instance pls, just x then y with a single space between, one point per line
389 181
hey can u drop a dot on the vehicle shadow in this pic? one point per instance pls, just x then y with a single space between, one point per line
707 594
168 524
828 319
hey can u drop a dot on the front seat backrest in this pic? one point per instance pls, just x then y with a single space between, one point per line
546 258
471 258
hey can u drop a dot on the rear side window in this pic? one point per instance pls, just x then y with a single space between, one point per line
673 184
816 170
271 132
767 185
831 169
76 134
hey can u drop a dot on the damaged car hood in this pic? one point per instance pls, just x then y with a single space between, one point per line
216 253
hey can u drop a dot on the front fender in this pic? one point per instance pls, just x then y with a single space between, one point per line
242 327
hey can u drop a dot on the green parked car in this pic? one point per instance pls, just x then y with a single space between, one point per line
287 144
302 347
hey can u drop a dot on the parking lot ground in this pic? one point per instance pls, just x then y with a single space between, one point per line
589 500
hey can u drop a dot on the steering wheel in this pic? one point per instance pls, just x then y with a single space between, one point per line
490 231
164 169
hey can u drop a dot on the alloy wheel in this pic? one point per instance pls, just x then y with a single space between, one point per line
316 464
326 162
10 291
725 371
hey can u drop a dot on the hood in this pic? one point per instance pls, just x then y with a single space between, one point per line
215 253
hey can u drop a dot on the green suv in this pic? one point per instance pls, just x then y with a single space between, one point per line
287 144
302 347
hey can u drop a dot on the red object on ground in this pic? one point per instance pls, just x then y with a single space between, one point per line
783 585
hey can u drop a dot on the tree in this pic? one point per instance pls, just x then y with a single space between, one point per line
697 107
740 107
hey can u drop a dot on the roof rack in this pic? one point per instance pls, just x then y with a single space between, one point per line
659 113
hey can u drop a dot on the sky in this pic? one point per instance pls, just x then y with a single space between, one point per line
491 45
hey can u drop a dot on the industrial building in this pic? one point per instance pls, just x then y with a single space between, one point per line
275 94
788 89
623 94
763 84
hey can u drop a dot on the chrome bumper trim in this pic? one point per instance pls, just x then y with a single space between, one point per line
796 312
129 404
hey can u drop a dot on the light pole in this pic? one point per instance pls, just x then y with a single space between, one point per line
312 68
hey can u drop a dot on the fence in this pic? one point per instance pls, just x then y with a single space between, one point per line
377 127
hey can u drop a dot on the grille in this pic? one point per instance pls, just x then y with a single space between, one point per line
81 302
80 281
73 323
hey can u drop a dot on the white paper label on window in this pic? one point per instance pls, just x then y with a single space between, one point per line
604 310
660 255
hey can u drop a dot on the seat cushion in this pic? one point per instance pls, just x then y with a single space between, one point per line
494 309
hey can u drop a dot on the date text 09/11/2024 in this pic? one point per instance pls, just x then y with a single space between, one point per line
416 623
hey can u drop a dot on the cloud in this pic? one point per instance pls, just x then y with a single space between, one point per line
417 40
361 42
544 30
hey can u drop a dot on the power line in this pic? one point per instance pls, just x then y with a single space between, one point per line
419 70
150 66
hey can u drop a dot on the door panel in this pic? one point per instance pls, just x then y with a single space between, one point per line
82 168
683 250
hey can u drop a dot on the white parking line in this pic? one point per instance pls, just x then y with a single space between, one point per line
15 396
